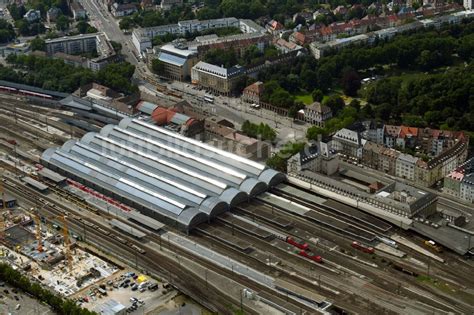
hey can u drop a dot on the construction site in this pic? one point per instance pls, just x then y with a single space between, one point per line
44 247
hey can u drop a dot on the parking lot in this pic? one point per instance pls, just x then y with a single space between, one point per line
15 302
139 294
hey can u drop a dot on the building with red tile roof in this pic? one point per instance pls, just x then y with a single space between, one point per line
253 93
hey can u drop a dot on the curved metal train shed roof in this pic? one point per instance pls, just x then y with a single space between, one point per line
167 176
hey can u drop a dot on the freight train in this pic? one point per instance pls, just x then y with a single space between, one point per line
362 247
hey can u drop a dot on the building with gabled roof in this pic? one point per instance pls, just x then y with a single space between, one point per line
253 93
123 9
316 114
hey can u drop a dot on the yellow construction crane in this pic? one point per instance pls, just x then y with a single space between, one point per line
39 236
65 230
67 242
2 218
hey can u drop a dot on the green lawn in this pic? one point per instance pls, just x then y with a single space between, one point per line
305 98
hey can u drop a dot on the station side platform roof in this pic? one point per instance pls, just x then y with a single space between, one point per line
143 219
34 183
290 287
127 228
55 177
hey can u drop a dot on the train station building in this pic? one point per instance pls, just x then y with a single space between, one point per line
164 175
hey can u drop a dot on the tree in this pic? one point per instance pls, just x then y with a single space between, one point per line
62 23
117 46
317 95
263 131
84 28
208 13
16 11
335 103
23 27
384 111
350 81
279 160
38 44
7 33
281 98
313 132
126 23
355 104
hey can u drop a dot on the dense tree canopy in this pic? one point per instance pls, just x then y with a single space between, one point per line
436 89
7 33
54 74
62 23
38 44
84 28
437 100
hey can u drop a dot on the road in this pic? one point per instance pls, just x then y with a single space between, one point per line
236 111
230 108
103 20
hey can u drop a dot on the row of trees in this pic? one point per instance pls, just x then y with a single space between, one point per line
54 74
57 303
261 131
149 18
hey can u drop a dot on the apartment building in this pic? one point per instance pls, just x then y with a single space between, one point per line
405 166
348 142
142 37
371 154
83 43
325 39
460 182
123 9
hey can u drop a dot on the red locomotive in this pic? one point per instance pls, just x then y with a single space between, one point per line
362 247
310 255
297 243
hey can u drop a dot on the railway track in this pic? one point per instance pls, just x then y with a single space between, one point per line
81 224
380 280
332 212
379 277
